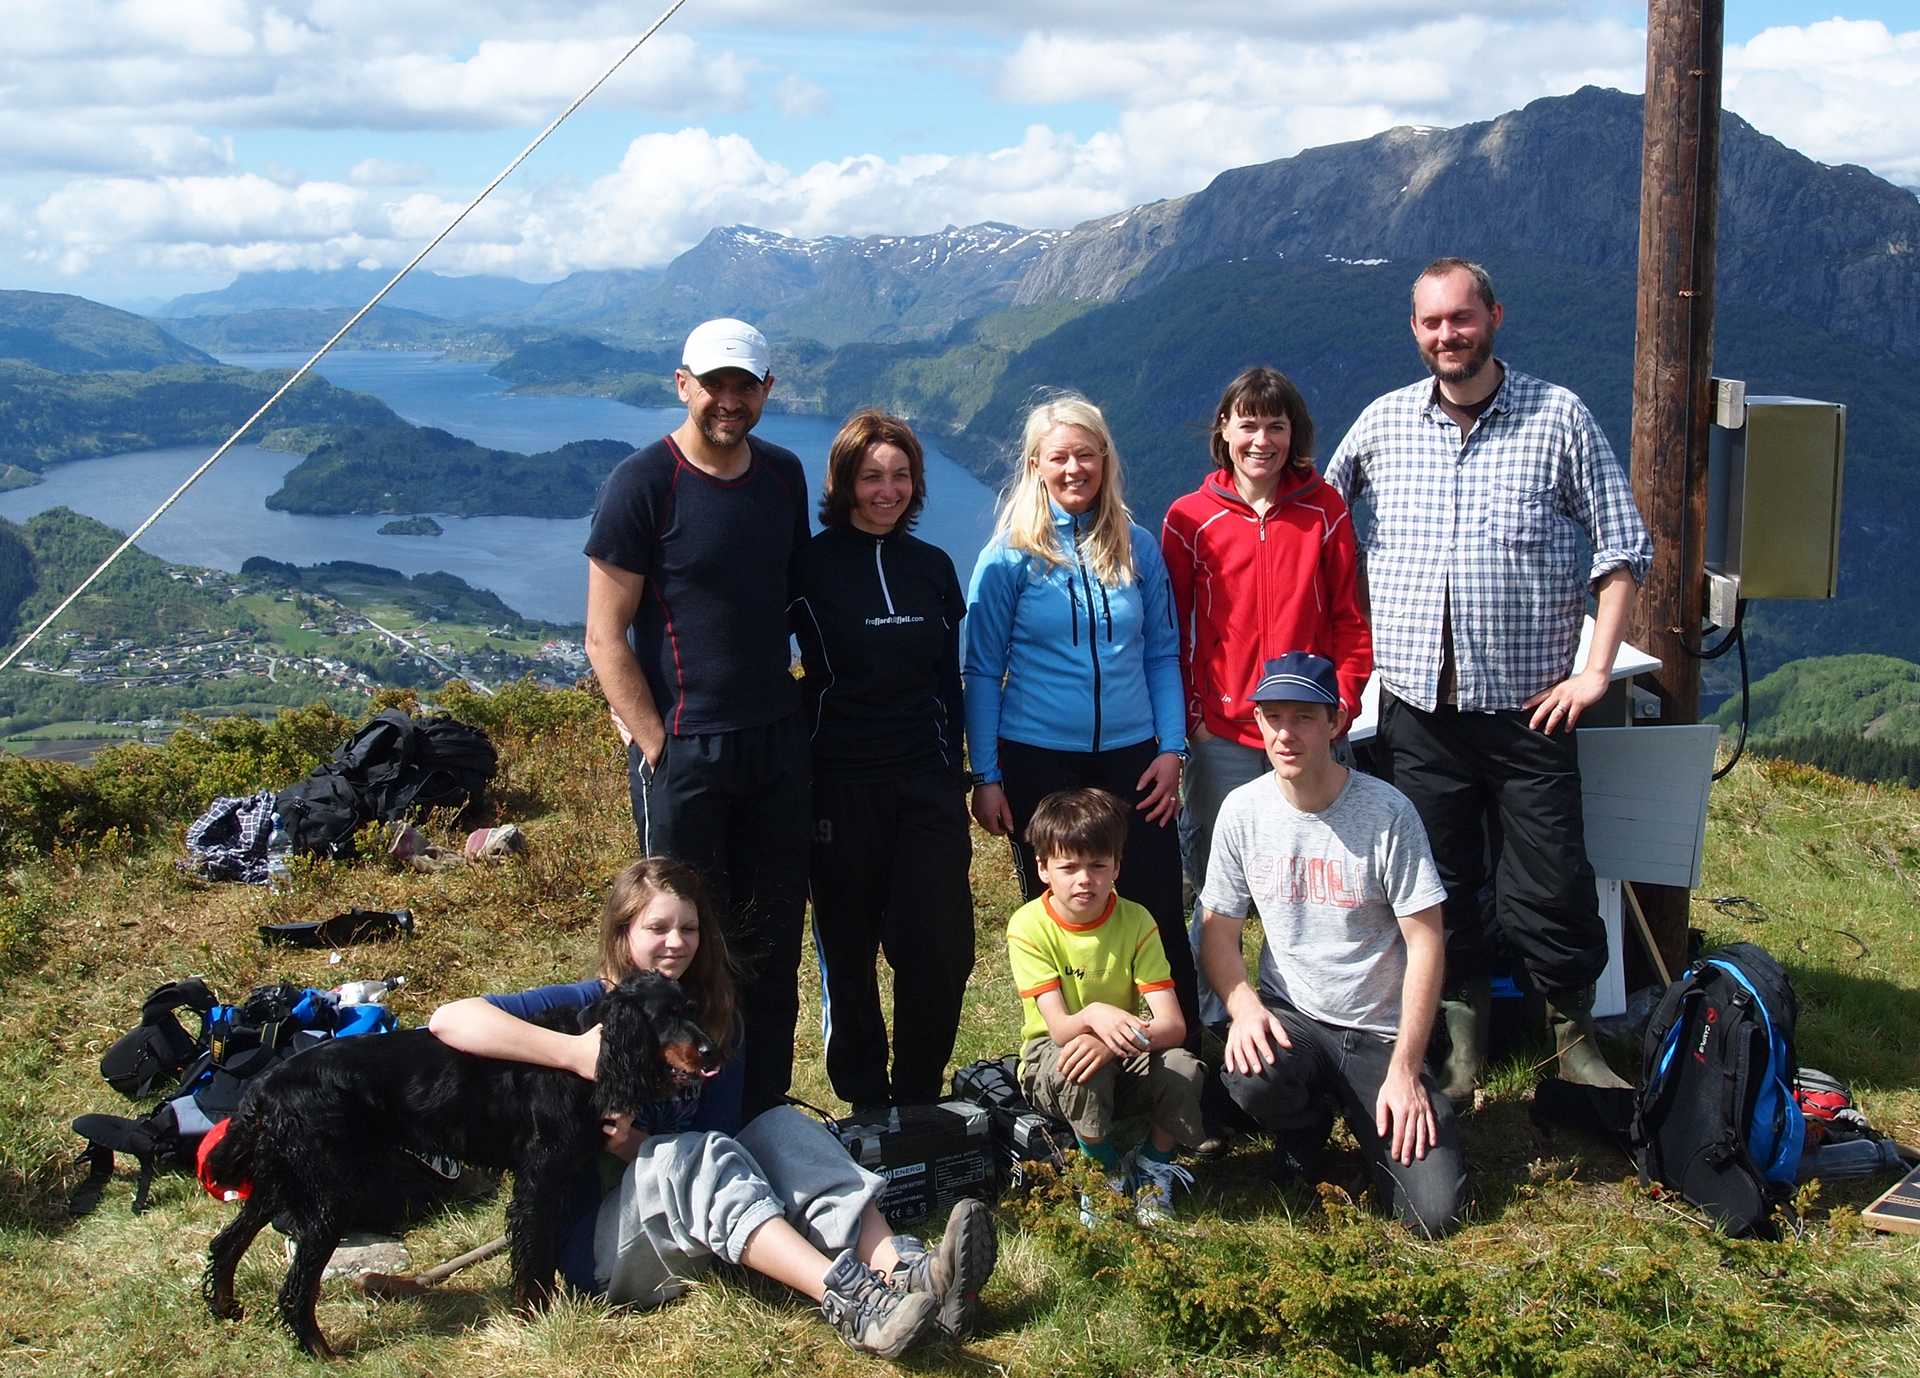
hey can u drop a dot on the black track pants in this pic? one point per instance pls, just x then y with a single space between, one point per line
889 874
1149 872
735 805
1461 768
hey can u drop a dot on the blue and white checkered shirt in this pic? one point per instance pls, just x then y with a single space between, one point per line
1492 533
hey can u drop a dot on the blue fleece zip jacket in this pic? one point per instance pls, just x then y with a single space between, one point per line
1057 659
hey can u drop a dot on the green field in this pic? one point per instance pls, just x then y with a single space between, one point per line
1564 1270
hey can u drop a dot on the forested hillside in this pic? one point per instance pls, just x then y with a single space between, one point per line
69 334
49 418
401 468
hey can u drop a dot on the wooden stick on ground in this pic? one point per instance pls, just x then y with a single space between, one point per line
1646 933
396 1285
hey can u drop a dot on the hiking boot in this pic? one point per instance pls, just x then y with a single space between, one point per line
1154 1187
1467 1014
1570 1012
1217 1143
870 1316
954 1272
1120 1184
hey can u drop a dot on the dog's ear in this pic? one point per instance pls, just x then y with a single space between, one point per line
628 1074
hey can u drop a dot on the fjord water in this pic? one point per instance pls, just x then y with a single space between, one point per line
533 563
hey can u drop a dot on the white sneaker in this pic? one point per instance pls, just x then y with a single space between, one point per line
1120 1184
1154 1185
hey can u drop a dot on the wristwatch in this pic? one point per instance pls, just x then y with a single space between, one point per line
980 778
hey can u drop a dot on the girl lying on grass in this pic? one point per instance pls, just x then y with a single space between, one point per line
683 1182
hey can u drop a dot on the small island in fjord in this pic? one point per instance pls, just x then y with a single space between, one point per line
413 526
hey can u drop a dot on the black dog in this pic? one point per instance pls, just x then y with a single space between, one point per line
308 1133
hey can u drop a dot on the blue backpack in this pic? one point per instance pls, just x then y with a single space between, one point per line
235 1044
1715 1118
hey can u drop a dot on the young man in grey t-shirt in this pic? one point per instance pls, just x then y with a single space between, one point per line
1349 899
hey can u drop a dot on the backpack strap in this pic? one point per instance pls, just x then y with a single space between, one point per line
1737 1058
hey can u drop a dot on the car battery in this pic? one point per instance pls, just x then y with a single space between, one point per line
1022 1135
931 1156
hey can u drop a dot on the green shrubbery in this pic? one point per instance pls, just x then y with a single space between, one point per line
1346 1295
134 791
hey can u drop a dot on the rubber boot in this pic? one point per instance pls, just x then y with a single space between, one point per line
1570 1013
1468 1013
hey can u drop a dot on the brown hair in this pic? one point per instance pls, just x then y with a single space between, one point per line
709 976
1078 822
1440 267
1263 392
864 429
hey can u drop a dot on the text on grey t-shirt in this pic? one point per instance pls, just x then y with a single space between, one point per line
1331 888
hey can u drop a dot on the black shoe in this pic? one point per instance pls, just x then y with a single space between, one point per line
1217 1144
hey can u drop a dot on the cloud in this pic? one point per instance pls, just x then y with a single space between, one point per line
799 99
380 172
1840 91
1183 103
236 65
89 147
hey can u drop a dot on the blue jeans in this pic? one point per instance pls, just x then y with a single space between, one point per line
1346 1067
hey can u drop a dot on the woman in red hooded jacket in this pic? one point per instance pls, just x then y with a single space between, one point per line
1261 557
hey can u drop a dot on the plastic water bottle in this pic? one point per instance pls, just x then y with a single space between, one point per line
279 858
369 992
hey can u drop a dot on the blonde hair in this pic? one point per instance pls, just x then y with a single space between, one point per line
1023 520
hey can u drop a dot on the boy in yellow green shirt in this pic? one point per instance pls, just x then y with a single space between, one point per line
1083 960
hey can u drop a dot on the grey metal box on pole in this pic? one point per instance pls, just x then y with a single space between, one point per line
1774 468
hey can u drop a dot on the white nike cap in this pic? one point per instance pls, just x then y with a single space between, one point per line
726 343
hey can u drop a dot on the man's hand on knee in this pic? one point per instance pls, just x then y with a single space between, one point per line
1403 1117
1254 1041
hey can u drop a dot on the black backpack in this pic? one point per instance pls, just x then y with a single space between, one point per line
1716 1119
151 1055
392 766
235 1045
321 813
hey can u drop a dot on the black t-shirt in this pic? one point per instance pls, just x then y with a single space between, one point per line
719 560
878 621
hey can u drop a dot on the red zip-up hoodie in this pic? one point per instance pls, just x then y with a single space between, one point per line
1247 588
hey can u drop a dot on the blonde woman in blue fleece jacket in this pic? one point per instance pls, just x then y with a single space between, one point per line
1073 663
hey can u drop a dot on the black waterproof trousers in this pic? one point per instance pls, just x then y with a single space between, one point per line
735 805
889 874
1149 872
1461 768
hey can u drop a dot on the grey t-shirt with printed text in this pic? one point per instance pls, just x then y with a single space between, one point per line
1331 888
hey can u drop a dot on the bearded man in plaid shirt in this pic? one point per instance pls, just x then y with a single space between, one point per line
1494 507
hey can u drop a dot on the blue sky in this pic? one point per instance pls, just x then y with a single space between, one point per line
149 147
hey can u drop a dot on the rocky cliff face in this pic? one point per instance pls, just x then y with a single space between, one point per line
1557 181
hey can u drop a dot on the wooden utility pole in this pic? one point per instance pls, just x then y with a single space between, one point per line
1673 365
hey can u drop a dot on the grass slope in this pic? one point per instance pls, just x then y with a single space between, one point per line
1564 1270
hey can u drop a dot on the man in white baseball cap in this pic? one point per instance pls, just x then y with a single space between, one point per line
727 343
689 571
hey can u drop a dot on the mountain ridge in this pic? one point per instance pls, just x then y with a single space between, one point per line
1558 179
